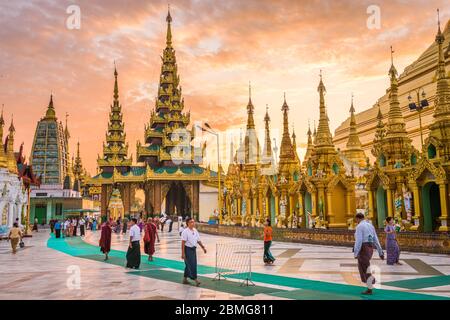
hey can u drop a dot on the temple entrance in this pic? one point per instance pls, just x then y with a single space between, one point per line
138 203
381 205
40 212
431 206
177 202
308 209
339 204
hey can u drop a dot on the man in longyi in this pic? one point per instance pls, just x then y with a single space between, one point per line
365 241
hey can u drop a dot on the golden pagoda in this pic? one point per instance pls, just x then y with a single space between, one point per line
353 151
168 168
288 174
309 147
10 156
430 176
331 194
394 154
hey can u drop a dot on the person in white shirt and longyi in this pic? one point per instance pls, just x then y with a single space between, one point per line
134 248
189 241
365 240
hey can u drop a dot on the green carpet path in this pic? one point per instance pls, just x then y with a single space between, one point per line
301 288
420 283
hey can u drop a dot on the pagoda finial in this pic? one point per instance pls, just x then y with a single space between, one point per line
169 30
352 109
392 71
50 114
116 86
11 127
250 109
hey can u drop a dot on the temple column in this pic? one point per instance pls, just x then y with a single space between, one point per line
268 209
277 209
157 197
292 211
444 205
11 215
301 211
370 214
348 196
417 217
261 207
196 204
390 203
314 204
328 208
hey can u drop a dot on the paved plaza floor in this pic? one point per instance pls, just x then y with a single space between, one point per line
48 268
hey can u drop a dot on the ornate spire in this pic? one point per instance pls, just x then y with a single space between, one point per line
354 151
353 138
396 123
250 109
77 164
169 30
286 150
50 114
66 129
168 114
315 133
268 142
294 145
10 156
324 137
310 146
3 160
442 88
115 150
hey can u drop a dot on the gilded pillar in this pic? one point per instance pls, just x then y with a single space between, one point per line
370 214
329 216
444 205
301 211
390 203
314 204
417 217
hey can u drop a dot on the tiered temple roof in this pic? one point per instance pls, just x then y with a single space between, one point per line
115 150
166 136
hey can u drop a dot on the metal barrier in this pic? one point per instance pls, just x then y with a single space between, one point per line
234 259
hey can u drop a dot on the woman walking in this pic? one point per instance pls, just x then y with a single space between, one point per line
150 236
105 239
392 248
268 258
15 234
189 240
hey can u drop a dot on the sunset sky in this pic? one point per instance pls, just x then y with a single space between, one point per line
279 46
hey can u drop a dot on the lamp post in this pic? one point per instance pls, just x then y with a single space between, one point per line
218 166
418 106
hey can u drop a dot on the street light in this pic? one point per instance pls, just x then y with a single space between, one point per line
218 165
418 106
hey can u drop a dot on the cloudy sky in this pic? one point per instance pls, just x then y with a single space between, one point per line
279 46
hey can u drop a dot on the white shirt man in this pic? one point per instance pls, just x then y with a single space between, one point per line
191 237
135 233
82 222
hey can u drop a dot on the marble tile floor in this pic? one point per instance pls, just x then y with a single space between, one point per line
39 272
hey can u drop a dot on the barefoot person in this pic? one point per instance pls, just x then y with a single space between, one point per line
134 248
105 239
189 240
268 258
15 234
392 248
365 241
150 236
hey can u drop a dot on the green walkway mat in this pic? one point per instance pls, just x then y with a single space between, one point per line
329 289
420 283
232 287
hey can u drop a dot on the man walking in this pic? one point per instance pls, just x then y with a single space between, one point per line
365 241
189 240
134 248
82 224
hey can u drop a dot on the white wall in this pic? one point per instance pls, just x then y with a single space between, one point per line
208 202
